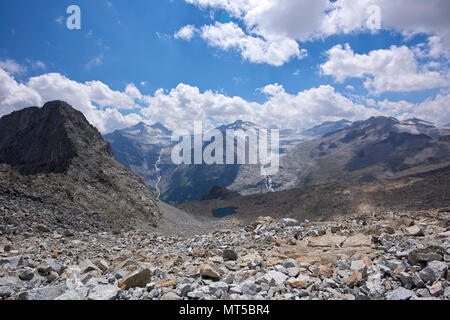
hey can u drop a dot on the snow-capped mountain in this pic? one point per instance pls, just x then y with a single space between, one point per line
373 148
145 149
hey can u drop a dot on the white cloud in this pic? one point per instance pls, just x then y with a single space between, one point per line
59 20
432 49
387 70
275 51
95 99
182 105
435 110
15 96
186 33
12 67
95 61
304 20
39 65
309 107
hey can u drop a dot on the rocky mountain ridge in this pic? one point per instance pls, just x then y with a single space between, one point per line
54 155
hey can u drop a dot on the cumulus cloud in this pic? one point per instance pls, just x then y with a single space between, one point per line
274 51
432 109
95 99
186 33
309 107
15 96
12 67
184 104
303 20
180 106
387 70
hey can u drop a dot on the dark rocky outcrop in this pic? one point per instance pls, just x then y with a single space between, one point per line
53 154
220 193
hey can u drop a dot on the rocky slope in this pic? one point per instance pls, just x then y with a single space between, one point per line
54 156
424 189
390 255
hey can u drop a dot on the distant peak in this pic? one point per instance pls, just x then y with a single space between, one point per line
144 128
159 125
57 103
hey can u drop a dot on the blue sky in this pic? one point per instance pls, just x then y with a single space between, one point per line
133 42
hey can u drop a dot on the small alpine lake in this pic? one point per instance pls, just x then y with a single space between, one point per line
223 212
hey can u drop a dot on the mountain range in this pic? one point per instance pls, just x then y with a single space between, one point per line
53 154
146 149
333 151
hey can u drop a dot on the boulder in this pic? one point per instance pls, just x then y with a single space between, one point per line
103 292
136 279
207 271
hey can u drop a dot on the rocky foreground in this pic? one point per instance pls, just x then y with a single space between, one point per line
395 256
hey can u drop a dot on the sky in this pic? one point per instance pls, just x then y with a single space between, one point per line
278 63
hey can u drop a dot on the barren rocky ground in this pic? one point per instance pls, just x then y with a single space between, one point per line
391 255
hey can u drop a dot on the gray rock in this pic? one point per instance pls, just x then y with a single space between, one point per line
406 280
275 278
44 268
281 269
52 276
400 294
14 262
104 292
87 266
434 271
171 296
74 295
358 266
293 272
197 294
26 275
446 293
6 292
287 222
439 268
9 281
119 274
431 253
418 282
248 287
47 293
229 254
229 278
235 290
185 289
393 264
216 286
423 293
289 263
